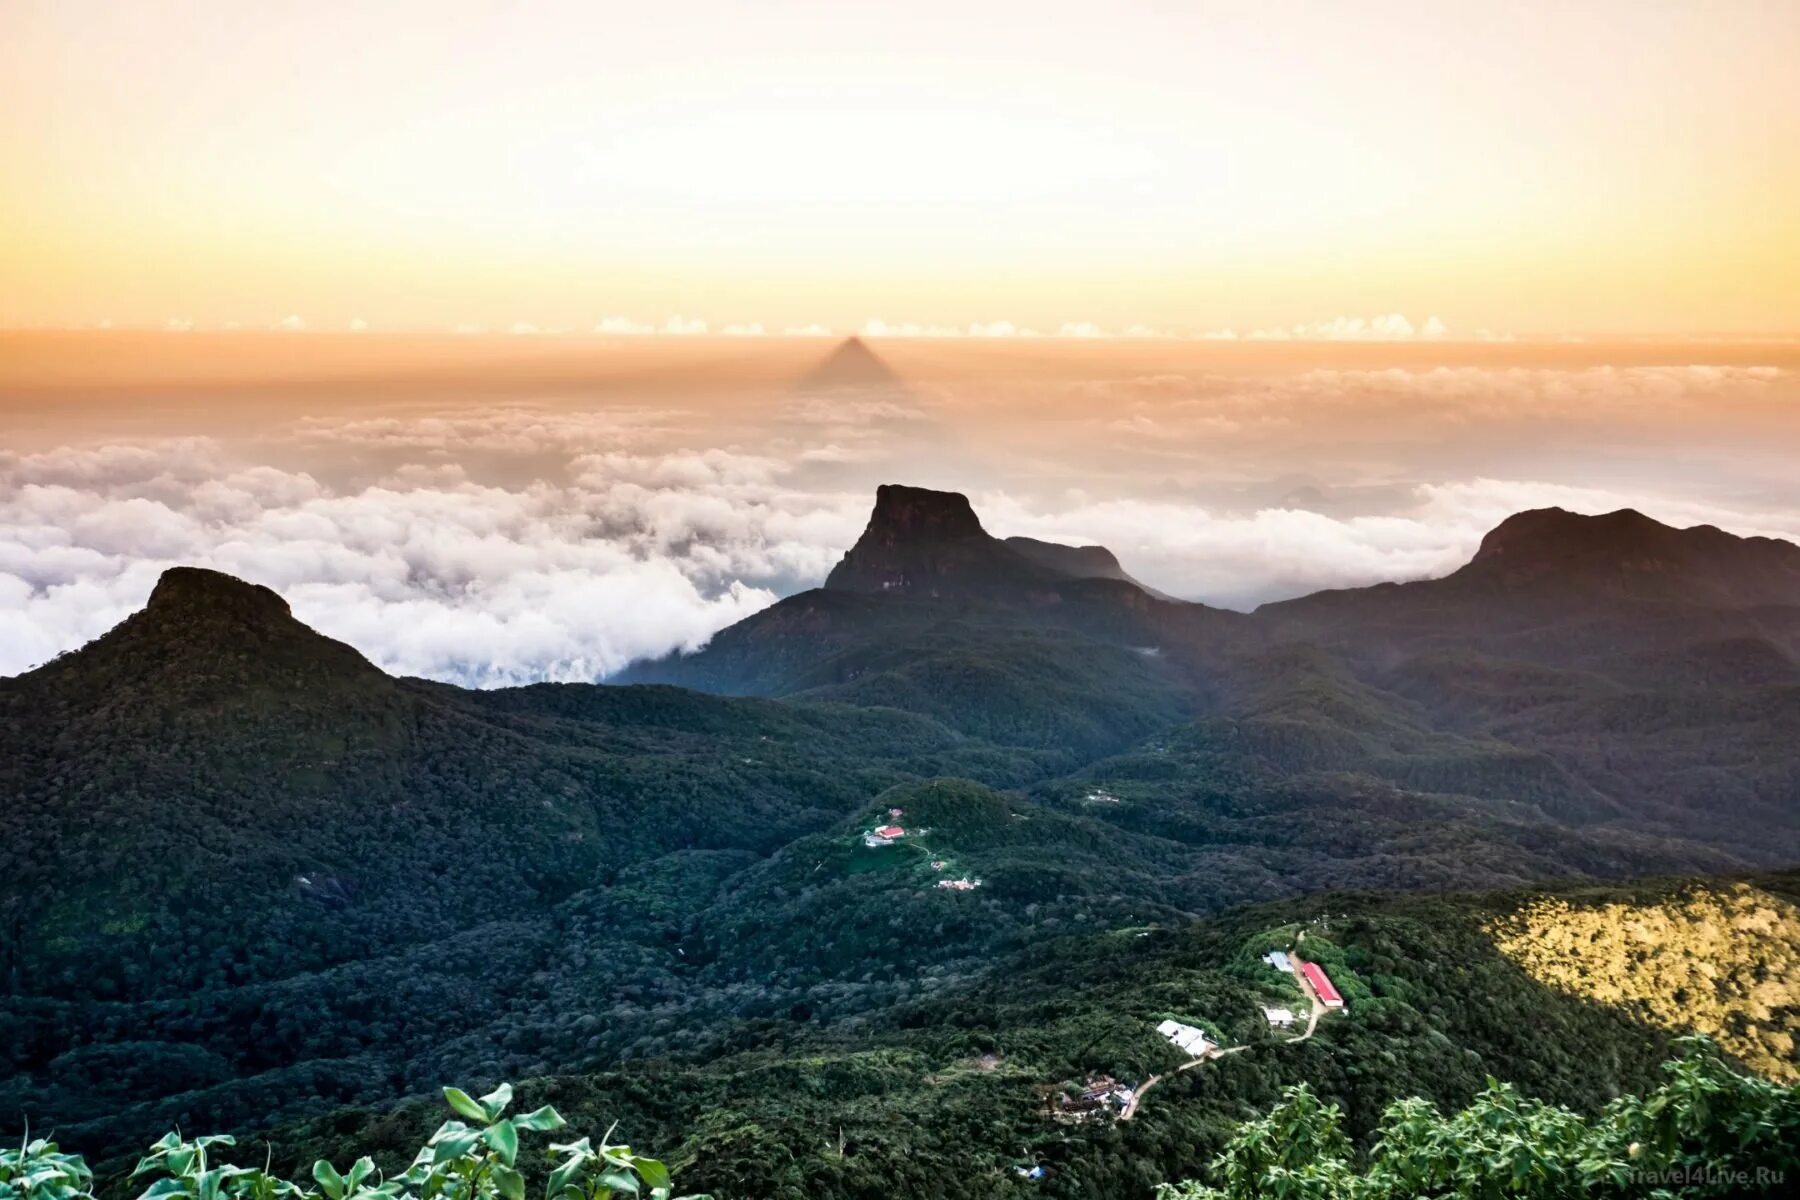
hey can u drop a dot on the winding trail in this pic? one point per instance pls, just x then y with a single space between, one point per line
1312 1023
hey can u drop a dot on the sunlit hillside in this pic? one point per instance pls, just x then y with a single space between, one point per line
1720 960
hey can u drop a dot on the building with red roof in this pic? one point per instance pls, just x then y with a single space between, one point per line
1328 995
890 831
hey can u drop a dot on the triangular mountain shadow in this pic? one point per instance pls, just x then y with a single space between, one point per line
850 365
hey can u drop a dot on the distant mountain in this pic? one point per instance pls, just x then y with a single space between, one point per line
931 613
1566 565
851 364
1627 554
1523 675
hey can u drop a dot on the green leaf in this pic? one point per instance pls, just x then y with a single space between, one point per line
540 1120
333 1184
619 1181
654 1172
454 1145
495 1102
465 1105
504 1138
562 1177
509 1183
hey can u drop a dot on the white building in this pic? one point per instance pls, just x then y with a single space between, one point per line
1186 1037
1278 1018
1280 961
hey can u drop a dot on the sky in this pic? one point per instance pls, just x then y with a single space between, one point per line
499 510
1466 169
479 329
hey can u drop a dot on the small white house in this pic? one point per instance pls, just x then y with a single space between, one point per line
1278 1018
1280 961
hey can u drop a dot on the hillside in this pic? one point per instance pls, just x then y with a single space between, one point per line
945 1094
246 878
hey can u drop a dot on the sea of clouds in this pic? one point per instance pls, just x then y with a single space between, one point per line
502 543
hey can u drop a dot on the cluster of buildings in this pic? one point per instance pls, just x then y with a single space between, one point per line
893 831
1097 1096
1312 973
884 835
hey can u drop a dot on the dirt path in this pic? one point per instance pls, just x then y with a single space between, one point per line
1312 1023
1318 1006
1131 1106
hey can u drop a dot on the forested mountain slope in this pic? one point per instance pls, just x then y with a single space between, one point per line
245 877
945 1094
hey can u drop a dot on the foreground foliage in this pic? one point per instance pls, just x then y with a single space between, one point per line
1707 1131
475 1158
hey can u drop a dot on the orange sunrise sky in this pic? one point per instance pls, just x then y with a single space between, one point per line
1178 168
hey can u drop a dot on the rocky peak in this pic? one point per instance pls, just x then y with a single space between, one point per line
925 541
200 595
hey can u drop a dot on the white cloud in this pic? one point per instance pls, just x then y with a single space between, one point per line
358 325
1081 329
875 327
1387 327
682 326
290 324
520 541
623 327
750 329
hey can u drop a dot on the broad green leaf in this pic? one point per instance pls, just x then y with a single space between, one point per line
509 1183
333 1184
619 1181
465 1105
654 1172
504 1138
495 1102
454 1145
562 1177
540 1120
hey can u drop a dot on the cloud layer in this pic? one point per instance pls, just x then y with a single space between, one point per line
493 544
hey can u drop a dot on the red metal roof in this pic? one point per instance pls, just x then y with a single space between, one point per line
890 831
1320 983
